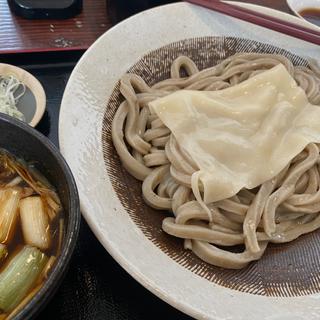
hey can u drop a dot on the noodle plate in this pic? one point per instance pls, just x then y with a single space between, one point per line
279 210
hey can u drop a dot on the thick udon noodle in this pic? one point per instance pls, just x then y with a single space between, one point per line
278 211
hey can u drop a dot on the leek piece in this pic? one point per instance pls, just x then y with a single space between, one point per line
38 176
35 223
27 192
47 269
8 213
23 303
3 251
53 204
14 182
19 276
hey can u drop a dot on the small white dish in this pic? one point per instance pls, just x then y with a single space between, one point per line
33 103
298 5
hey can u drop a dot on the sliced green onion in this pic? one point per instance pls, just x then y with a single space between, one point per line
3 251
35 223
8 213
8 97
19 277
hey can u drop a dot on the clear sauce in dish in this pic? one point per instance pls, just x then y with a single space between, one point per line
311 14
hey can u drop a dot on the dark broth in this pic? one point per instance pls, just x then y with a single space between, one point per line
16 244
312 15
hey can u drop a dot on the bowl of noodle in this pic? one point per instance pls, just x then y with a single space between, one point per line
206 153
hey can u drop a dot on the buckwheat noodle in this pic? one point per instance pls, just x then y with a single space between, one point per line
278 211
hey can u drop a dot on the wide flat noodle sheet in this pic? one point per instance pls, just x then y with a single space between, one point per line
244 135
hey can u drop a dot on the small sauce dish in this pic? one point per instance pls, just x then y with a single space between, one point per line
33 102
309 10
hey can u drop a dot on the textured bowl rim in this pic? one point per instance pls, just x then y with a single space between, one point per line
36 304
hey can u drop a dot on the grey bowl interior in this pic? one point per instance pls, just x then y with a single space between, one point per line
27 105
24 141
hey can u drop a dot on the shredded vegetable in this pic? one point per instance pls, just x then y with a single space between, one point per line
9 96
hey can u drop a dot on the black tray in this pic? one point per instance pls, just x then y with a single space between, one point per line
95 287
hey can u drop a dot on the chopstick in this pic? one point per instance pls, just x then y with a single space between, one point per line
273 23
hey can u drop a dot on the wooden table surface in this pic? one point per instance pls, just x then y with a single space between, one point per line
21 35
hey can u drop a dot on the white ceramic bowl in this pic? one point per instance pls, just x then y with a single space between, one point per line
82 124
